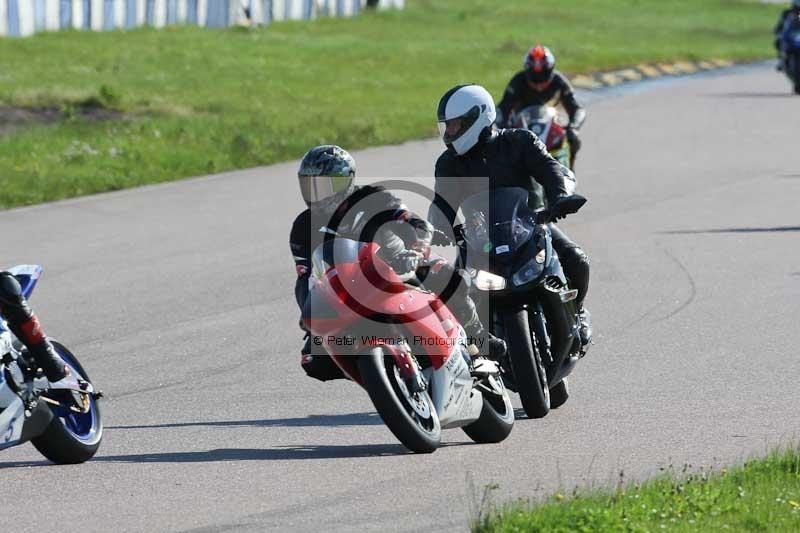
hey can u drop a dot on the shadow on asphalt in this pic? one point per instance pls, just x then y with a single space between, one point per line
787 94
779 229
519 414
352 419
280 453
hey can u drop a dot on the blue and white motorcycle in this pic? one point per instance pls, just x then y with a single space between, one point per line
61 420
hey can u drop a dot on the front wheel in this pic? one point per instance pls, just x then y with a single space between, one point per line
497 415
411 417
72 437
526 362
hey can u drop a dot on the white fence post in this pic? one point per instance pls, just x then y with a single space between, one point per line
3 18
25 17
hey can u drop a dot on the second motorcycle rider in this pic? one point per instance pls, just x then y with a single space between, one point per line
508 158
339 208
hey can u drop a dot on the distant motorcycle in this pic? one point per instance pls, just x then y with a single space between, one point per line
63 422
532 305
542 120
367 318
790 51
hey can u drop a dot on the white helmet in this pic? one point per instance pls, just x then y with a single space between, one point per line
465 111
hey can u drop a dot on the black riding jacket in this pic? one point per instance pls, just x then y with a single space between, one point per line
508 158
519 95
368 214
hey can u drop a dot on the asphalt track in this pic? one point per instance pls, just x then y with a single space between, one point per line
178 299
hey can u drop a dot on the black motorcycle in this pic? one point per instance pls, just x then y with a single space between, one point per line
531 304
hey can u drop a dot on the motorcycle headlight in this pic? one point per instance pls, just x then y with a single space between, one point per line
530 271
486 281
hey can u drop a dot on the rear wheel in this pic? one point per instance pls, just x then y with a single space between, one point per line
72 437
497 415
410 416
526 362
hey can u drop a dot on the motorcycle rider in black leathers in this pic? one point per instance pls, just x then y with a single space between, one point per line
369 213
24 324
539 83
508 158
786 15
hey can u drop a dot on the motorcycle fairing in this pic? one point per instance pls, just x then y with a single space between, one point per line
456 401
359 291
12 413
15 427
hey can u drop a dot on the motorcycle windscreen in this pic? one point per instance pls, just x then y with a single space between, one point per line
334 251
499 221
538 119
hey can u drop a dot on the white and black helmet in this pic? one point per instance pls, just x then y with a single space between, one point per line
464 113
326 174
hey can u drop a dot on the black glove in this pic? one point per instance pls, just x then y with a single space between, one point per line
406 261
564 205
441 238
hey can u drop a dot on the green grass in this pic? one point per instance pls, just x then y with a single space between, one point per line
761 495
199 101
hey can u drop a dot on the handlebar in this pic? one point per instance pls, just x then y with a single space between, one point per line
565 205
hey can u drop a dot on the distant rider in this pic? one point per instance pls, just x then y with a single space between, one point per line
539 83
337 207
508 158
24 324
787 15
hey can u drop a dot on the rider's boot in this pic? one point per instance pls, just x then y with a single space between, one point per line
30 333
46 358
488 345
318 366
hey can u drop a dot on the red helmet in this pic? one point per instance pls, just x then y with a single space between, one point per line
539 65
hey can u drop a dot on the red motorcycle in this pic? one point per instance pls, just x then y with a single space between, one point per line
543 121
401 343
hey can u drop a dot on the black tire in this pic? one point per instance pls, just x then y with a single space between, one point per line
496 420
57 443
529 373
417 433
559 394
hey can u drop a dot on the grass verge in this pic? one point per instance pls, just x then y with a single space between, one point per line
761 495
198 101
